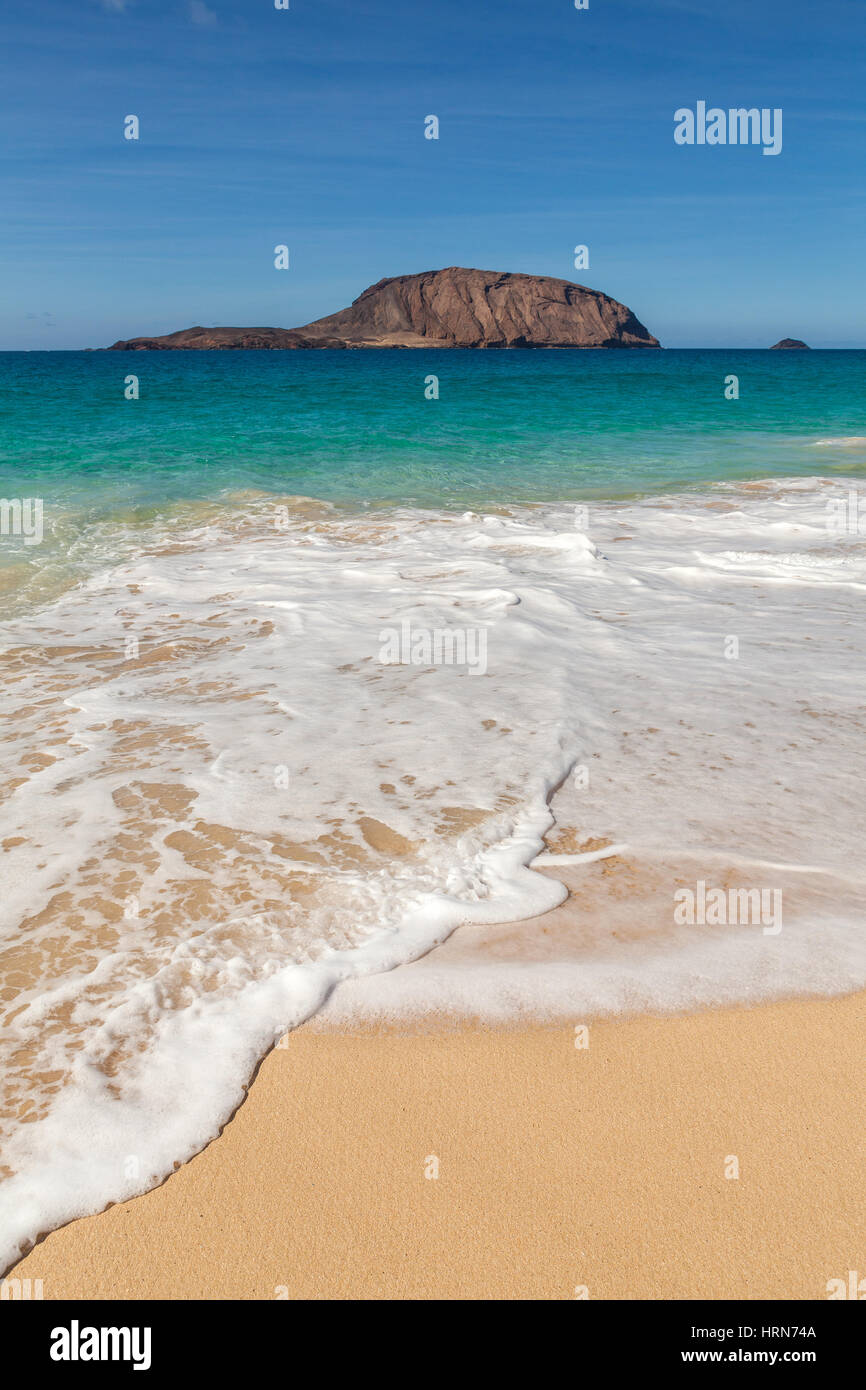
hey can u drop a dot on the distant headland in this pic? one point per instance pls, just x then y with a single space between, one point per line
453 308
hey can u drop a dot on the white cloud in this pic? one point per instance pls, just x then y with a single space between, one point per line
199 13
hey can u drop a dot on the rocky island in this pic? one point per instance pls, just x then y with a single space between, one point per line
453 308
789 343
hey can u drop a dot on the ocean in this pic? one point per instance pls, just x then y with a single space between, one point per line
306 653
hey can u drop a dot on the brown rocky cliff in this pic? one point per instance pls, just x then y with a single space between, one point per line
453 308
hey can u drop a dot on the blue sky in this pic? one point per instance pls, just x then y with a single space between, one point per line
306 127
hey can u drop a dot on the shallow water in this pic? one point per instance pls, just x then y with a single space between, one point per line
260 742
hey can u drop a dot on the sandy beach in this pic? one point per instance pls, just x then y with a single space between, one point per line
234 821
436 1157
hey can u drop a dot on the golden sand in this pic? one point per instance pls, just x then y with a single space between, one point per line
607 1168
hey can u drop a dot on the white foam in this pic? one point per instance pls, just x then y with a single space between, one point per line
844 441
289 812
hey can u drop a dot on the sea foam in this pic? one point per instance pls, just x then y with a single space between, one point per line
224 803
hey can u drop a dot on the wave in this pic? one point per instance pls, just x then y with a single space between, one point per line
281 746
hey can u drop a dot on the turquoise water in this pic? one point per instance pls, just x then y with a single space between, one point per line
355 427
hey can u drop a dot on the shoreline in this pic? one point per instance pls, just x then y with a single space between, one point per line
560 1168
661 760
